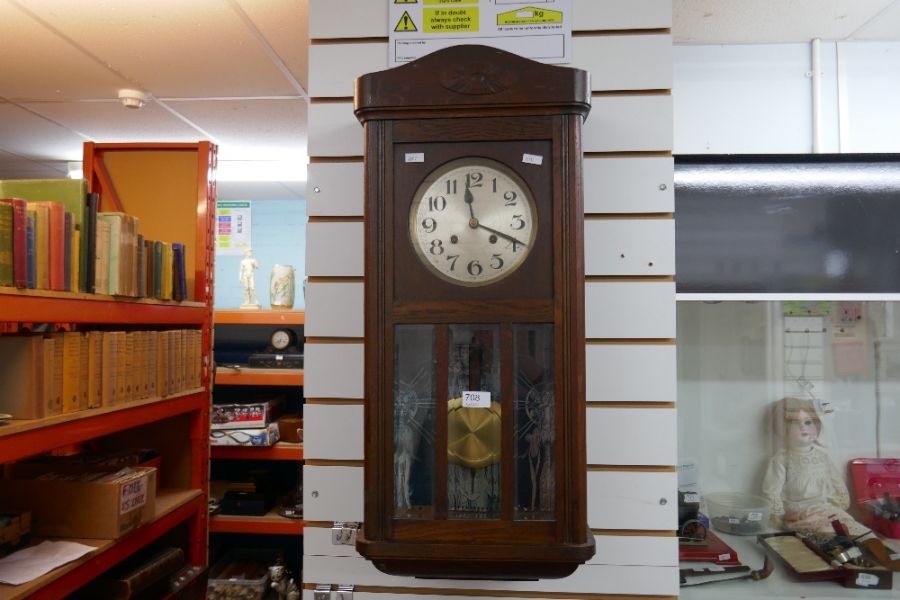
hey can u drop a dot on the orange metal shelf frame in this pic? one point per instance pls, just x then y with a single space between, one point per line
41 306
271 524
23 438
280 451
248 376
259 317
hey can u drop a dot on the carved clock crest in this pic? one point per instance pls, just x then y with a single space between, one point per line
474 275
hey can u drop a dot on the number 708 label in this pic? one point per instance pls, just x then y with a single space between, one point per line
474 399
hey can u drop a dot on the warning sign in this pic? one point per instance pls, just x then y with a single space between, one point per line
405 23
442 20
538 29
529 16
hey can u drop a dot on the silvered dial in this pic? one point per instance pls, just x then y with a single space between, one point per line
472 221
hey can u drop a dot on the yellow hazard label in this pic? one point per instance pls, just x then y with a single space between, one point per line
406 1
450 20
529 16
405 23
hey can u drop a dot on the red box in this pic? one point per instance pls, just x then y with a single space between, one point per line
871 478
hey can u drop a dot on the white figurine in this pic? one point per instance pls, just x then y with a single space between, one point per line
248 265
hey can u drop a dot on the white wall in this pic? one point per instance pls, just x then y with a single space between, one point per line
740 99
626 45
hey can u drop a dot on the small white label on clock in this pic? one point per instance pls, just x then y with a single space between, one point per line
866 580
476 399
692 498
754 516
415 157
532 159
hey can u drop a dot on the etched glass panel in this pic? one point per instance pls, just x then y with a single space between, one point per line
473 422
535 463
414 369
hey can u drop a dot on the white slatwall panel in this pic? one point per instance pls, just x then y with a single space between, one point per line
600 579
628 500
625 310
332 493
333 371
629 247
334 309
334 130
631 436
334 249
335 189
615 309
627 124
627 185
333 432
625 62
333 67
630 373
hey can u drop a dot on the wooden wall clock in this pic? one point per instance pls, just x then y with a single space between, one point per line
474 288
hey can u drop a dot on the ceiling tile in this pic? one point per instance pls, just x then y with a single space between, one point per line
770 21
172 48
257 190
285 25
885 26
37 64
252 129
112 122
29 136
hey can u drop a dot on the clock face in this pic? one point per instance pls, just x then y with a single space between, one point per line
473 221
281 339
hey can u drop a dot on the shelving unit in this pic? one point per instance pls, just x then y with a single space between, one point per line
282 453
128 177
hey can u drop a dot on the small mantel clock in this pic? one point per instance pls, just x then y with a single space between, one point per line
474 318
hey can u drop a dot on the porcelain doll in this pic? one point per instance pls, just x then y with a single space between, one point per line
805 488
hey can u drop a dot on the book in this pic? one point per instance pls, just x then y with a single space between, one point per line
76 264
158 271
166 283
148 268
21 371
94 342
140 268
110 352
70 193
41 214
179 283
31 276
89 235
115 250
68 236
52 386
101 257
56 244
19 240
6 245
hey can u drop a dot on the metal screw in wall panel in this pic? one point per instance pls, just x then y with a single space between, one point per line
315 494
663 501
663 187
317 189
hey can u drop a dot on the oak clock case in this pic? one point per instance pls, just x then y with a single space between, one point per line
475 452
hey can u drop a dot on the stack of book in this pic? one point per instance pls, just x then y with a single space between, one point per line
66 372
52 237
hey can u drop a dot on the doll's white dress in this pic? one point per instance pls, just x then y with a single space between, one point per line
807 492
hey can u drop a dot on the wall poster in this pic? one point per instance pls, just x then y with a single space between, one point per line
232 227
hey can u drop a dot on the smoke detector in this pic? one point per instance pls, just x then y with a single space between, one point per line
132 98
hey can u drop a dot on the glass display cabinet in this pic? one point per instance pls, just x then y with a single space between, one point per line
789 376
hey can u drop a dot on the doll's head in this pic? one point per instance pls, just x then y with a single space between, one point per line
795 422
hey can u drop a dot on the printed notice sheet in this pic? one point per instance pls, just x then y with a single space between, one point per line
540 30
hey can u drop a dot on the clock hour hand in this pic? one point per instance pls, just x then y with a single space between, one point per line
469 198
503 235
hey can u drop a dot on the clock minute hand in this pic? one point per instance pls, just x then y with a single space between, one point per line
469 198
503 235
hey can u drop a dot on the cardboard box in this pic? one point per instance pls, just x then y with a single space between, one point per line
265 436
105 508
245 415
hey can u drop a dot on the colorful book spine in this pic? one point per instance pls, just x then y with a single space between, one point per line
56 244
68 238
101 258
19 240
31 274
89 239
41 214
6 245
114 252
158 270
179 283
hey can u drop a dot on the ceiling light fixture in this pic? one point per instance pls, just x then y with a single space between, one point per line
132 98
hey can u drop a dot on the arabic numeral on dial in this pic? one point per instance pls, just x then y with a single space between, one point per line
510 198
474 268
517 222
496 262
451 186
437 247
437 203
429 225
474 179
494 185
453 258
